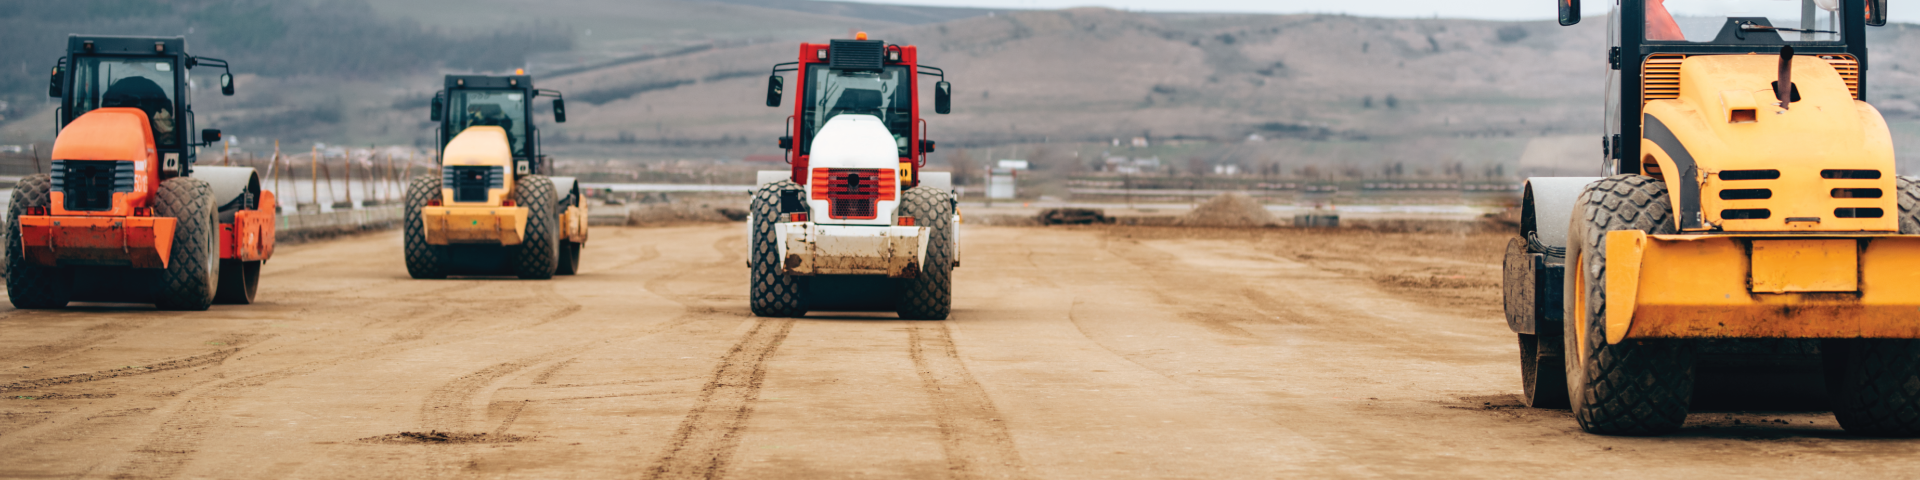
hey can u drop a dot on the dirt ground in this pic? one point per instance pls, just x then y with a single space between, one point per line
1085 352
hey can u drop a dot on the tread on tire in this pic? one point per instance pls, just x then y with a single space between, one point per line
1636 387
29 285
424 261
771 293
537 256
929 295
192 275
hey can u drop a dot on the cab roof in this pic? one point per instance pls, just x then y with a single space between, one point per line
125 45
486 81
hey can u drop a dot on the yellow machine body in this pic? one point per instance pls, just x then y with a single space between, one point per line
491 222
1824 134
1822 264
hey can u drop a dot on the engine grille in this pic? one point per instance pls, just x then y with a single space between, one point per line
1661 78
89 185
856 54
853 193
470 183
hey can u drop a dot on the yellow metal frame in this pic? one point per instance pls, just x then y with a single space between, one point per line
475 225
1717 286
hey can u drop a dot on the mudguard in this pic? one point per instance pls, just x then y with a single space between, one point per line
246 211
1535 262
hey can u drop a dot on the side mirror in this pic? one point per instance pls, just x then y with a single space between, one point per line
926 146
776 87
226 84
210 136
559 110
439 104
53 85
943 98
1570 12
786 143
1877 13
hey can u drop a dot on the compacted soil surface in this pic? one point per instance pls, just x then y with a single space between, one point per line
1083 352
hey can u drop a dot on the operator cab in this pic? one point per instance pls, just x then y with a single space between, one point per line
1648 39
859 77
147 73
505 102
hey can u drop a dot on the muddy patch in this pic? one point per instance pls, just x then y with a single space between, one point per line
435 437
1510 406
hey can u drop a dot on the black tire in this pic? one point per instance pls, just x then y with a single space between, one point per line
1875 383
537 256
1543 371
29 285
569 258
772 293
192 275
1636 387
424 261
929 295
239 280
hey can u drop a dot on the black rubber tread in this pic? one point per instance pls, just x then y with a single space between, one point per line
1543 377
192 275
929 296
1636 387
1875 383
28 285
239 280
424 261
569 258
538 255
772 293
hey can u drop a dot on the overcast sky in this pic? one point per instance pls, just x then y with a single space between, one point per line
1487 9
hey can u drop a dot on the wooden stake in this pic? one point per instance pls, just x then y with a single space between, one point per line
347 163
314 162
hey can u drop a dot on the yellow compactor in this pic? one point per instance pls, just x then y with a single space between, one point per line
1750 222
488 212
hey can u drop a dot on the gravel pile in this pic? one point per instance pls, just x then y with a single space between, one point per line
1232 209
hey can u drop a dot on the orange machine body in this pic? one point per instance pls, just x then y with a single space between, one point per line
127 233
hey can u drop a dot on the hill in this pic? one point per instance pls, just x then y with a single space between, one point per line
655 80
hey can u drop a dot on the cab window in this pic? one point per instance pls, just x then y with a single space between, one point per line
506 109
143 83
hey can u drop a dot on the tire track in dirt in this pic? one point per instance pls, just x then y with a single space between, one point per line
179 363
187 419
976 441
704 444
450 407
88 337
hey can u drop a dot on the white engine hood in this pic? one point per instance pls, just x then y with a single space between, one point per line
854 141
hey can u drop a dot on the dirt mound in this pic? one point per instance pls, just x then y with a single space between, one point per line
439 437
1231 209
